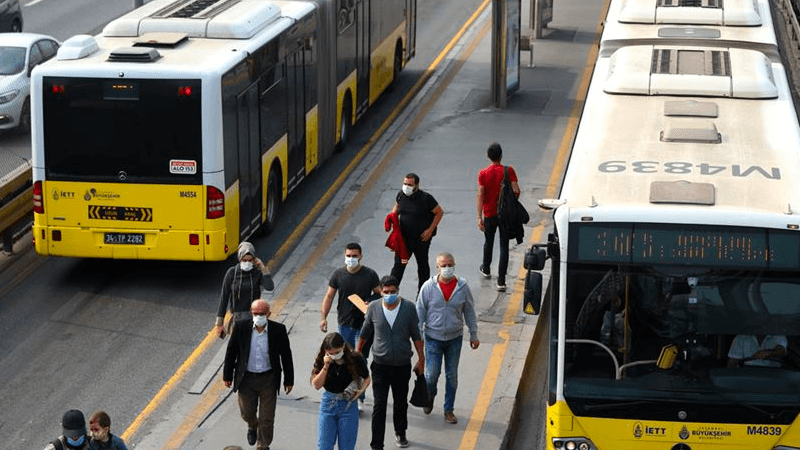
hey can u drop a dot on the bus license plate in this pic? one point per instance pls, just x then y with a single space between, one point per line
124 238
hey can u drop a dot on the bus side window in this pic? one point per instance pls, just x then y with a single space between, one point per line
273 107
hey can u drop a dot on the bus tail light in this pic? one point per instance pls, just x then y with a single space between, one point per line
184 91
38 199
216 203
194 239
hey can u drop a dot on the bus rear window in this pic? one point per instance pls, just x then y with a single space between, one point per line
107 130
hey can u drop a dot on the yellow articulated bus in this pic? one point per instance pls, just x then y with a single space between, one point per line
178 131
674 298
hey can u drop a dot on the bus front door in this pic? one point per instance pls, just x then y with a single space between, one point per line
362 55
249 161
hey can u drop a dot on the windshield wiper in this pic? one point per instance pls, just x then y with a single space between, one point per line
612 406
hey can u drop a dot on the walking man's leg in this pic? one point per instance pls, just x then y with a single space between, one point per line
248 404
433 367
452 354
380 392
503 266
423 266
399 381
268 398
489 230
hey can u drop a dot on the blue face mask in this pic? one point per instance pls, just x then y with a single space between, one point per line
390 299
76 442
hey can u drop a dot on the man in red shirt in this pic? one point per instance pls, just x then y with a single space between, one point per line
490 180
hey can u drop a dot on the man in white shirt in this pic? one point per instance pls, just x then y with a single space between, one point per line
763 349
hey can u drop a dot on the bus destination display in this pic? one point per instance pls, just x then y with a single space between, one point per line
692 245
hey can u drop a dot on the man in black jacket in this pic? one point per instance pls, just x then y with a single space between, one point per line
258 351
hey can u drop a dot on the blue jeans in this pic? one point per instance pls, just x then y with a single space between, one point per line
451 352
338 421
350 336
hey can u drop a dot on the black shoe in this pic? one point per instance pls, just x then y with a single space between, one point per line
428 408
501 287
485 272
251 436
400 440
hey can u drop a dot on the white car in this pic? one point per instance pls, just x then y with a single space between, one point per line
19 54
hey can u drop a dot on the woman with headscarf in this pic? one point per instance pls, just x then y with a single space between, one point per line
242 284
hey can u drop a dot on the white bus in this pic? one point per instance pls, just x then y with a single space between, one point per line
676 241
180 129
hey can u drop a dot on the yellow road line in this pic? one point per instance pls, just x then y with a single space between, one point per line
209 397
472 431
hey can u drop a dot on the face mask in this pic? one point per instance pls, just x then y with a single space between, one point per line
76 442
246 265
447 272
408 190
351 262
259 320
101 435
390 299
337 356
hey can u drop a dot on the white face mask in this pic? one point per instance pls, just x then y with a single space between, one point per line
260 320
337 356
447 272
408 190
351 262
246 265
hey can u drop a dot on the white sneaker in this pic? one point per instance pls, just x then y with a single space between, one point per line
360 406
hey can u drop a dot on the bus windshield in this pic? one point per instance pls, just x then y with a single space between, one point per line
108 130
697 335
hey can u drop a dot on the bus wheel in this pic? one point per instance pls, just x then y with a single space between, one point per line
344 126
24 120
398 62
273 201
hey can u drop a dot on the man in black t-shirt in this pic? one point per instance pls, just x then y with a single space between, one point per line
419 214
353 278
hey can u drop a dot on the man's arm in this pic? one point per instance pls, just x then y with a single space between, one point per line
286 362
327 301
471 318
515 187
438 212
231 357
420 366
479 206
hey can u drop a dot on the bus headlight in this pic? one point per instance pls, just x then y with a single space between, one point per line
577 443
8 96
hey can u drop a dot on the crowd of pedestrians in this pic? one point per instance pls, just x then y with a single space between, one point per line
372 318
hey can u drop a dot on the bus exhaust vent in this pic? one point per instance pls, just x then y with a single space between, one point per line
682 192
195 9
134 54
162 40
691 131
690 108
690 3
691 62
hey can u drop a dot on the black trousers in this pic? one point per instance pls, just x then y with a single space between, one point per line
383 378
490 227
420 251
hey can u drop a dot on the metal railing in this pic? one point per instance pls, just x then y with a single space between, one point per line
16 204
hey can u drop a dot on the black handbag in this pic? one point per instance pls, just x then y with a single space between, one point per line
419 396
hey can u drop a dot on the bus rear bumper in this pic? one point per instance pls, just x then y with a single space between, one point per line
186 245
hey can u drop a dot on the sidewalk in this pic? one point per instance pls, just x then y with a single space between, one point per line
446 149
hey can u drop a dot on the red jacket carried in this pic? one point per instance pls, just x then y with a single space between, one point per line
395 240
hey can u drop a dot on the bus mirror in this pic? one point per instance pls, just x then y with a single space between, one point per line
535 258
532 299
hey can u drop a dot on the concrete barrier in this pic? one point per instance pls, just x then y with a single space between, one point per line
16 204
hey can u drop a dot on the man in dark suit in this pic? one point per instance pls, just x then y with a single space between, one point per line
258 351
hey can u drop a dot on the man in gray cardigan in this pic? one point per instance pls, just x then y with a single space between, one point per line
444 303
393 325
